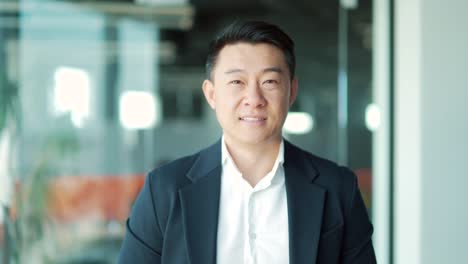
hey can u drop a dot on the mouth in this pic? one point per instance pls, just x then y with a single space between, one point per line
252 119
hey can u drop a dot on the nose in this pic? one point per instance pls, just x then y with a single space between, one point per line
254 96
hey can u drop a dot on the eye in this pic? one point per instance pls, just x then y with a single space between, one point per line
236 82
270 84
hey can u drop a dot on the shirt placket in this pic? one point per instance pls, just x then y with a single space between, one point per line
249 225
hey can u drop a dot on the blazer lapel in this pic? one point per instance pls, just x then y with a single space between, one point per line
200 205
305 207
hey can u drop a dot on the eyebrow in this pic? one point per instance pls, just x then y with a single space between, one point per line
233 71
273 69
269 69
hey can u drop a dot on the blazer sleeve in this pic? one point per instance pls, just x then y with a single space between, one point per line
143 239
357 241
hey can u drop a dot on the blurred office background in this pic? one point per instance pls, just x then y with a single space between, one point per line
94 94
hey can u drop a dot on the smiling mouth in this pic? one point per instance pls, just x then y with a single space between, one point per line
252 119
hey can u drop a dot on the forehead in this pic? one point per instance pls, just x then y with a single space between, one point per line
249 58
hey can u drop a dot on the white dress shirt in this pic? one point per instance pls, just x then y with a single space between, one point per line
253 222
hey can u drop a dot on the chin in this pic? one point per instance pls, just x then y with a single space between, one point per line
256 139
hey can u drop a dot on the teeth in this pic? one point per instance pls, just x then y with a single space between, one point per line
252 118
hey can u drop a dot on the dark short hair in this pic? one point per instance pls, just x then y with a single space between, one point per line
254 32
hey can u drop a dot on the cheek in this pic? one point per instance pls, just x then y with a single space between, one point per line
225 110
279 101
226 99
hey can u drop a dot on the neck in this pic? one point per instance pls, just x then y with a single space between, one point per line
254 161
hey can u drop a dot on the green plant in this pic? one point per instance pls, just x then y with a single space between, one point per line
9 123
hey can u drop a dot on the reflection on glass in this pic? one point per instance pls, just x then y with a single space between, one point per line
71 93
298 123
372 117
137 110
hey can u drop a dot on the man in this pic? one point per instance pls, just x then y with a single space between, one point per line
252 197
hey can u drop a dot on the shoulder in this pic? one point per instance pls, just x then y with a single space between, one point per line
171 176
174 175
329 175
338 182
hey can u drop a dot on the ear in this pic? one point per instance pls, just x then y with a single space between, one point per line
293 91
208 91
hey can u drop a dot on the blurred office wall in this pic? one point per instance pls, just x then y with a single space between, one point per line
431 128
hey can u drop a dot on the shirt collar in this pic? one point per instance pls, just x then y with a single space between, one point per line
226 156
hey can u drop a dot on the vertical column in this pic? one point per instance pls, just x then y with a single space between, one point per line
343 85
381 148
408 88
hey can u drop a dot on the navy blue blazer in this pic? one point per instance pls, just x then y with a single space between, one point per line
175 217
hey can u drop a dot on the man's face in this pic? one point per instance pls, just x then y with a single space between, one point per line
250 91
